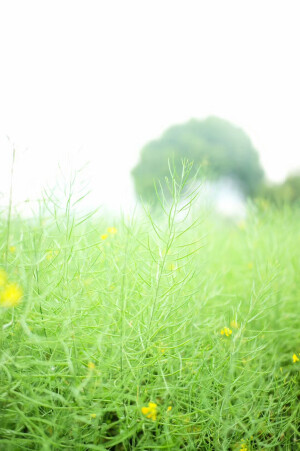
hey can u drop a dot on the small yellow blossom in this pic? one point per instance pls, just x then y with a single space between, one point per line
91 366
112 230
234 324
11 295
93 415
104 236
295 358
150 411
3 277
87 282
12 249
169 408
226 331
51 254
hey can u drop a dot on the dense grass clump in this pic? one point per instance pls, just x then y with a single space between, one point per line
175 333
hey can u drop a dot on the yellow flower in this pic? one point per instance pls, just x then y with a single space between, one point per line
226 331
169 408
12 249
51 254
234 324
87 282
11 295
112 230
93 415
295 358
91 366
150 411
243 446
104 236
3 277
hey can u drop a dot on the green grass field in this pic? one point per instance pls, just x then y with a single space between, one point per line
197 315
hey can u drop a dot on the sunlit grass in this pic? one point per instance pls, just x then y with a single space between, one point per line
175 333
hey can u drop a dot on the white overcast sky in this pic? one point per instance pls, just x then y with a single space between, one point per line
93 81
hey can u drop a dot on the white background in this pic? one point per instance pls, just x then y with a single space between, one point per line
93 81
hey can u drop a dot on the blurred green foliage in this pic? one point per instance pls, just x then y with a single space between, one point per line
287 192
217 148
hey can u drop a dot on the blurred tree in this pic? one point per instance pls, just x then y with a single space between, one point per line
216 146
287 192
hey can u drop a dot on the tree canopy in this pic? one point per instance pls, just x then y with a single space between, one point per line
215 144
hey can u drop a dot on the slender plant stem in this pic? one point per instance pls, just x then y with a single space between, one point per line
10 205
